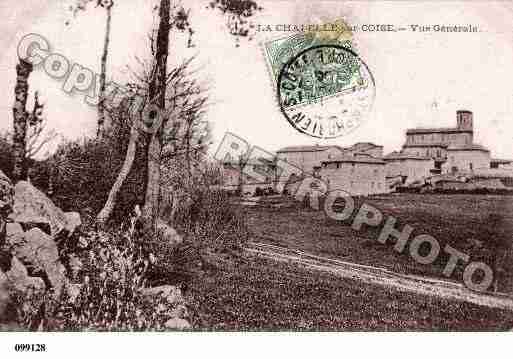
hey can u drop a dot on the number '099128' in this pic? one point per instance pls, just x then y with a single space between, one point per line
30 347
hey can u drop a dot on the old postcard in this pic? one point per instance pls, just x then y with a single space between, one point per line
255 165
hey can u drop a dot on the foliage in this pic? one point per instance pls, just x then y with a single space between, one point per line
109 294
237 13
81 173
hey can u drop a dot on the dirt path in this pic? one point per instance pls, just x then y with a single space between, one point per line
381 276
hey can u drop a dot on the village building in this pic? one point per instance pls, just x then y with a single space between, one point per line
501 164
362 169
452 150
466 158
236 175
407 168
359 174
308 158
434 142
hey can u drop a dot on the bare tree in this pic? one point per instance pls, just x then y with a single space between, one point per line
155 148
182 90
38 136
80 5
20 120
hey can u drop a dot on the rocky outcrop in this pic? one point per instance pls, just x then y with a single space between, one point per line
32 208
34 223
39 253
20 280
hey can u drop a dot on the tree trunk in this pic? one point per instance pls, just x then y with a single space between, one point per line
20 116
107 209
157 91
103 75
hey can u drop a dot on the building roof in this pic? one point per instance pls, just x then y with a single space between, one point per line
361 158
405 156
431 144
471 147
359 144
314 148
412 131
317 148
501 161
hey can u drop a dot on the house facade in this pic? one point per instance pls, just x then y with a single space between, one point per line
360 174
409 167
466 158
309 158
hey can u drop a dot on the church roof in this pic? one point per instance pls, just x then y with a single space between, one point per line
411 131
471 147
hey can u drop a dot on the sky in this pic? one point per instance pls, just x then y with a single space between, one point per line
422 79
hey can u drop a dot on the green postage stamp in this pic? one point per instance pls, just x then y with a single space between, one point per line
324 89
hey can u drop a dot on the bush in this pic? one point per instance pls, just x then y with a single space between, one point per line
109 296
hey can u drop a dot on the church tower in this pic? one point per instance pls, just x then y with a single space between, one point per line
465 120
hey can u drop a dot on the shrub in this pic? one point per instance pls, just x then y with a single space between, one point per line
109 296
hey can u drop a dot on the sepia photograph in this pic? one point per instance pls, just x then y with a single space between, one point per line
286 168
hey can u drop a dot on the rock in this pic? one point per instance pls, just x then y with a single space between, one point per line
6 201
175 308
177 324
5 297
6 193
14 231
75 266
168 233
74 221
39 253
32 208
73 291
20 280
172 294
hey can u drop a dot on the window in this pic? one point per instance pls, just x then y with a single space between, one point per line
376 172
338 165
471 166
372 184
352 184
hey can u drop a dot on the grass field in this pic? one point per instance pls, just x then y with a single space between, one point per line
258 294
265 295
480 226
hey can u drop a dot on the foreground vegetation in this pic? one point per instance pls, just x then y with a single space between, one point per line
258 294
